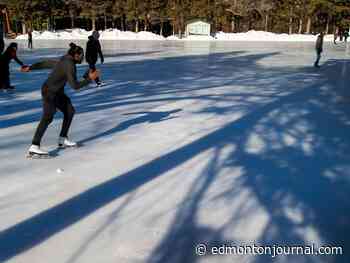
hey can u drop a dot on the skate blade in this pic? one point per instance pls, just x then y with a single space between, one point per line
38 156
67 147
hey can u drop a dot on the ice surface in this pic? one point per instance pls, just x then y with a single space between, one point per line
187 143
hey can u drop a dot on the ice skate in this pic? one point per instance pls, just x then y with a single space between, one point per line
63 142
35 152
100 84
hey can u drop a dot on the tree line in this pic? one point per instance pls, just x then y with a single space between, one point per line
170 16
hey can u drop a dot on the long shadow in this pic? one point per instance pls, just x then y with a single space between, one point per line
149 116
273 182
110 97
128 54
37 229
300 186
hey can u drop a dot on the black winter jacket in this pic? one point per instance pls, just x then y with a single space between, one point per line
93 50
64 71
5 60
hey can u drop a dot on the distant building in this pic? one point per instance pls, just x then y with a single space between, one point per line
197 27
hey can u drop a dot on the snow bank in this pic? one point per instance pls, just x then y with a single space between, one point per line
115 34
81 34
255 36
268 36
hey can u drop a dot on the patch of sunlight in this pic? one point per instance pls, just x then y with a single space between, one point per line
255 144
294 214
289 140
253 219
330 174
307 148
310 235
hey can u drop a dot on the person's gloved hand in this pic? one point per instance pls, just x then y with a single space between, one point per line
25 68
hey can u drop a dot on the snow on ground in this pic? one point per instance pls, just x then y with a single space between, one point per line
115 34
187 143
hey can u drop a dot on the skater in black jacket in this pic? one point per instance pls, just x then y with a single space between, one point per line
54 98
93 51
2 42
5 60
319 49
30 39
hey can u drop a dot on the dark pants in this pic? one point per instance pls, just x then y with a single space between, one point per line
92 66
4 78
51 102
318 58
30 43
2 45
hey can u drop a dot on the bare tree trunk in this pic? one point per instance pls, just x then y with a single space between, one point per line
161 28
308 25
72 21
266 22
122 23
233 28
93 19
291 20
300 30
8 27
113 22
327 26
24 30
137 26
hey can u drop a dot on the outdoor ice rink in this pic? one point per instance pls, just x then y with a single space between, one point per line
188 143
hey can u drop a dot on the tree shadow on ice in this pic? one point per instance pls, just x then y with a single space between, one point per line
130 85
293 159
146 117
294 167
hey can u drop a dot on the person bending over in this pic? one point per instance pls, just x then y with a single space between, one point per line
54 98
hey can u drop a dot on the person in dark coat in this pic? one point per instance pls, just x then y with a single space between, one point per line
93 51
335 36
30 39
54 98
2 42
319 48
5 60
346 35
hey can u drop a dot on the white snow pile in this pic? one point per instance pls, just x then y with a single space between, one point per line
192 38
115 34
268 36
255 36
109 34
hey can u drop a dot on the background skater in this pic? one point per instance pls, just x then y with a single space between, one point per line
319 49
93 50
